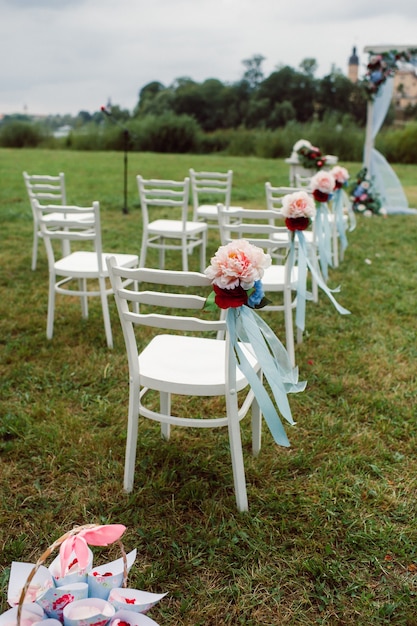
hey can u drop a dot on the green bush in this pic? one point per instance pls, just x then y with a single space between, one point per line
167 133
18 134
399 145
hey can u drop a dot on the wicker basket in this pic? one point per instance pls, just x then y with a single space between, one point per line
44 557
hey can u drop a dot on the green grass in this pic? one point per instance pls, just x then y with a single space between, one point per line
331 534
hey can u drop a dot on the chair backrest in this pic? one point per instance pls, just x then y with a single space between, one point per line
164 309
168 194
211 188
274 195
258 226
303 182
46 189
69 223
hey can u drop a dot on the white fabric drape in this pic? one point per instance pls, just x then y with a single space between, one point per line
384 179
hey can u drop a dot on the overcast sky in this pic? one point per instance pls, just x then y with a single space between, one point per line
64 56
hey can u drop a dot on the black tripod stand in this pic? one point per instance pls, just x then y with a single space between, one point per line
126 142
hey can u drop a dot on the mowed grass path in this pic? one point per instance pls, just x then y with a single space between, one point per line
331 535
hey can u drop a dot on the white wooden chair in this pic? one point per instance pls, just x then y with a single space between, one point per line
266 229
165 231
81 225
208 189
175 362
47 190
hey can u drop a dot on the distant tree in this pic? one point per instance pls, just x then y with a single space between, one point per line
253 74
308 66
337 93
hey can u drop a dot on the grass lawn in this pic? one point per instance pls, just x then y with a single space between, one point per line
331 532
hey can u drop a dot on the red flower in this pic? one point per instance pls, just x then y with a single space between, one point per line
297 223
320 196
230 298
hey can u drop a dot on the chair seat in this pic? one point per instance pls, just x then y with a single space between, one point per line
187 365
209 211
173 228
51 217
274 278
85 263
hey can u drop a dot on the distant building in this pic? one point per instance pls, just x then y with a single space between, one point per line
353 66
405 89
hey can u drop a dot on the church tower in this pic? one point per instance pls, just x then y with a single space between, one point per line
353 66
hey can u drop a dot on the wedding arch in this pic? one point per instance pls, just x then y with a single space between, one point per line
379 80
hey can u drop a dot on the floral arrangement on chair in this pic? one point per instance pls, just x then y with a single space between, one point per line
383 65
311 157
341 177
236 272
299 208
322 186
364 199
74 593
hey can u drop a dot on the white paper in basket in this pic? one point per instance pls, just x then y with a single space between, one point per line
31 614
19 573
134 600
132 619
102 579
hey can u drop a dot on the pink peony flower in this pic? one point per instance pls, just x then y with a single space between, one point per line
298 204
237 263
323 181
340 174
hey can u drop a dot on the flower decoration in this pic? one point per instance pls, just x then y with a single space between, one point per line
364 199
383 65
322 186
59 600
234 271
298 209
311 157
340 175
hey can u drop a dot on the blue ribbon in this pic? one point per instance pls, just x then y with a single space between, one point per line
304 262
324 238
244 325
338 213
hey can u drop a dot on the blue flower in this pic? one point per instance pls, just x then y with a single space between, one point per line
257 295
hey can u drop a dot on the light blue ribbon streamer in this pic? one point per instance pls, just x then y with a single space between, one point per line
338 213
303 261
324 238
244 325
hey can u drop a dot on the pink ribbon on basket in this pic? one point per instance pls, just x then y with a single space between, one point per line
78 543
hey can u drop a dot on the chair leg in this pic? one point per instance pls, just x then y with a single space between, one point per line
132 435
184 255
162 255
82 285
143 250
165 409
106 314
203 253
35 247
51 307
236 452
